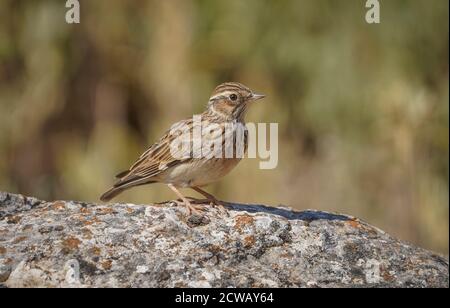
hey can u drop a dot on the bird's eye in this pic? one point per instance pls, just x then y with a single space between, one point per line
233 97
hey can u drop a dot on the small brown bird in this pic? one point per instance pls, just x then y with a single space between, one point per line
163 163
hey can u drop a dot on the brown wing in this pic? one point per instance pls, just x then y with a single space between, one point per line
156 159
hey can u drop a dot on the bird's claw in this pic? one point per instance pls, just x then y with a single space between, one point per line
192 208
212 202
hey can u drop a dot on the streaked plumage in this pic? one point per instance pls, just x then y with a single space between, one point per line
226 106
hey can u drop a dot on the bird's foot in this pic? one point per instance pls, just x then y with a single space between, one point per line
211 201
191 208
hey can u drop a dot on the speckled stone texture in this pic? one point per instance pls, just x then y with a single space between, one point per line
76 244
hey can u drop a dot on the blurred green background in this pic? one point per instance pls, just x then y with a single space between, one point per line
362 109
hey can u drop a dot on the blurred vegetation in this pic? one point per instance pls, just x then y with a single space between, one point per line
363 109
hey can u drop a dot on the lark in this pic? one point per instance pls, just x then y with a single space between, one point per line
183 168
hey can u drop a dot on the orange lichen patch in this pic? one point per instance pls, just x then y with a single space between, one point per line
91 221
2 250
385 274
58 205
130 210
104 211
85 211
249 241
354 223
10 219
19 239
80 217
242 221
107 265
95 251
71 243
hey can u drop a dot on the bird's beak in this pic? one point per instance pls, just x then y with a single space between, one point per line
256 96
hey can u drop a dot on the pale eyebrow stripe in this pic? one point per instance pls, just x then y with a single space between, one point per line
224 94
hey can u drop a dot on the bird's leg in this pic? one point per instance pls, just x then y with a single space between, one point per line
187 204
210 198
207 195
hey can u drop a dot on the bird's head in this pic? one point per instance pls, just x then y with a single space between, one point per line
230 101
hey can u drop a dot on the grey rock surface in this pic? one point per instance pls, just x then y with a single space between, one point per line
76 244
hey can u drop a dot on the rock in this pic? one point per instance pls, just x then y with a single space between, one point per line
75 244
5 271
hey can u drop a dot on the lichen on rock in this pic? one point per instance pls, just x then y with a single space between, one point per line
76 244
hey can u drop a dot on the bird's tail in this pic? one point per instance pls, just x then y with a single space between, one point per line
111 193
120 186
